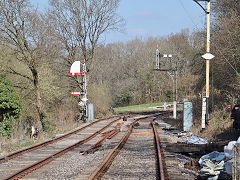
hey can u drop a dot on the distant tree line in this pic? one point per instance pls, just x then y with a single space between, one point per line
37 49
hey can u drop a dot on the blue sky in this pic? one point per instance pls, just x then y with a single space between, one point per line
154 18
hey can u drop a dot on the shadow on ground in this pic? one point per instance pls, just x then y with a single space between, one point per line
229 134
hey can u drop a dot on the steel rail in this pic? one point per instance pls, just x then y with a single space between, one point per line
23 172
43 144
99 172
161 169
108 135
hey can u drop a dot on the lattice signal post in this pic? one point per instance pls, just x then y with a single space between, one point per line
172 72
82 83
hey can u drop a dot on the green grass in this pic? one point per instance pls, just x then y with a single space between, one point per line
137 108
28 143
66 130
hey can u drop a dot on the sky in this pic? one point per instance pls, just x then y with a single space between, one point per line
152 18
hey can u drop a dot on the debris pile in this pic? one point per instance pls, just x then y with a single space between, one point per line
216 164
193 139
212 164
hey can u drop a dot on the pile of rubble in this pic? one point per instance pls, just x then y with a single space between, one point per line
218 165
214 165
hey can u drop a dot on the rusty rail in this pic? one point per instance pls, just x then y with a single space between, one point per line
99 172
43 144
161 169
23 172
107 135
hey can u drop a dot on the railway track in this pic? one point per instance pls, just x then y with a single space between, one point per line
36 156
161 169
107 149
40 145
99 172
140 155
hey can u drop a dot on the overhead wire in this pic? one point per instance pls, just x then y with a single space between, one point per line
226 60
188 15
224 57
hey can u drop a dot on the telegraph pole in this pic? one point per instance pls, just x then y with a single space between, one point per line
207 60
208 56
208 49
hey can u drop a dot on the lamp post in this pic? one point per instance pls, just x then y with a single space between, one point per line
208 56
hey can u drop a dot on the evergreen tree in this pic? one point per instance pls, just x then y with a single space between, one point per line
10 106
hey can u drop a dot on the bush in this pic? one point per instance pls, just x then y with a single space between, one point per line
10 106
46 124
100 96
124 99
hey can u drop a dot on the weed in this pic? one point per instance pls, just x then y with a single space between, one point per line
28 143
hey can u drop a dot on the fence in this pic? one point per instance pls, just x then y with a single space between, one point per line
236 162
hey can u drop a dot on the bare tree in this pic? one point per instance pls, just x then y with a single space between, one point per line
20 28
80 23
226 38
78 26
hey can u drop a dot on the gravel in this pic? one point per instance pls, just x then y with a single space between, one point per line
135 161
74 165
